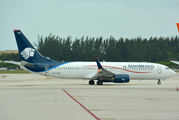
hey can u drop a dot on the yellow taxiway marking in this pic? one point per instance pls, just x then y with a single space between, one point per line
127 84
48 77
70 91
78 96
3 76
80 99
106 118
115 86
94 109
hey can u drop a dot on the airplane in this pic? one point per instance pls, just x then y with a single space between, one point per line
16 63
176 62
12 62
116 72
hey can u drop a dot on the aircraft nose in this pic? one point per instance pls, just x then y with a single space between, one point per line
172 73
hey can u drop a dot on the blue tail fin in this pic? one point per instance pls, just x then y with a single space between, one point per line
27 51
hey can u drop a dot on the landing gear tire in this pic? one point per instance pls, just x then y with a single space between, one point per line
91 82
99 82
159 82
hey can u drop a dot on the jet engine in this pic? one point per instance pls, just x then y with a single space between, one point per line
119 78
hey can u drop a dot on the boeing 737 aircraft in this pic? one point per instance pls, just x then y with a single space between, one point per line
117 72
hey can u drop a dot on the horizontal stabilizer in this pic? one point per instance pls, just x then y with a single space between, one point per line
24 63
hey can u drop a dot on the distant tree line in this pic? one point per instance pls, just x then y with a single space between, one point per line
162 49
86 48
9 66
12 56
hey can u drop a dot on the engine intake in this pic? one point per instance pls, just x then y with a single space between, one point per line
121 78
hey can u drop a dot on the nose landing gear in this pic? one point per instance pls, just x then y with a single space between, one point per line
159 82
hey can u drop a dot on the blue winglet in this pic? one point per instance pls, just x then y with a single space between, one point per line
98 63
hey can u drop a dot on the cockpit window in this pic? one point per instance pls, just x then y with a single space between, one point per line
167 68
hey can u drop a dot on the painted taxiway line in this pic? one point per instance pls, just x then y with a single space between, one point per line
81 105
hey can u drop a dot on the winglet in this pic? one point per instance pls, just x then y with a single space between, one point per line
98 63
178 26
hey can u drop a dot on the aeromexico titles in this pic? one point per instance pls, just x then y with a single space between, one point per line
117 72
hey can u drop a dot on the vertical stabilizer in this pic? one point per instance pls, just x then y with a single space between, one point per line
27 51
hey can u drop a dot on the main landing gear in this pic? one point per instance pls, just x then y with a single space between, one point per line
159 82
99 82
91 82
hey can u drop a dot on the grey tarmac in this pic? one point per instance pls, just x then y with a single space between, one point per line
34 97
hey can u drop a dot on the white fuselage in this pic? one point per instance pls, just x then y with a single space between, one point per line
85 70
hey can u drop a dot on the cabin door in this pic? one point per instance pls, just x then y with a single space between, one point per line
159 69
46 68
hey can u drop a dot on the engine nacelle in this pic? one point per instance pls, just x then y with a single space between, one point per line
121 78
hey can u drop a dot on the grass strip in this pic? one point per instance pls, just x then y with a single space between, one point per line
15 72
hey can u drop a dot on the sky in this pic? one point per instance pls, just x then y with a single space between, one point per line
93 18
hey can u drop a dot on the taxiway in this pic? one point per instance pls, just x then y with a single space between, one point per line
34 97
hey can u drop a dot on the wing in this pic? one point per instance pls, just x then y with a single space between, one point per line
176 62
101 71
